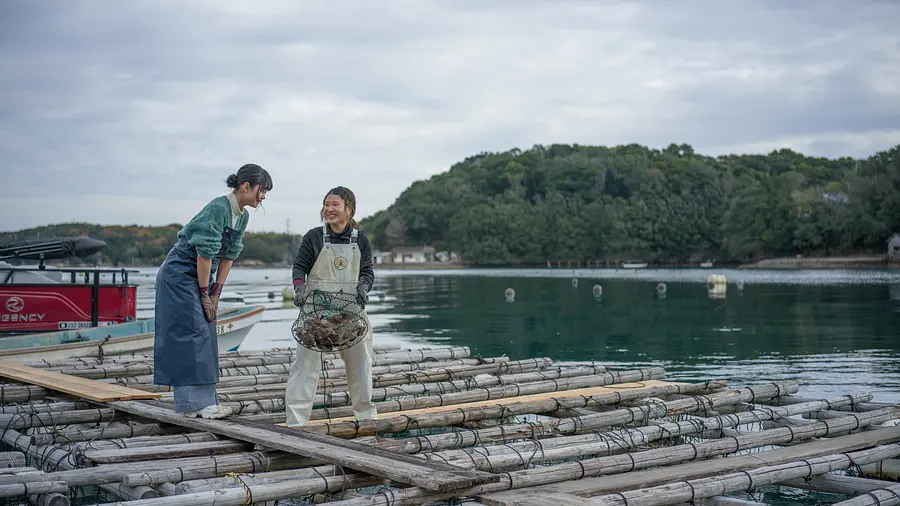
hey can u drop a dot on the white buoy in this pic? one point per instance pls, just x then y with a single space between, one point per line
510 295
574 282
716 285
661 288
740 284
286 294
597 290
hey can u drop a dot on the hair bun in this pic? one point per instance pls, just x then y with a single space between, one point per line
232 181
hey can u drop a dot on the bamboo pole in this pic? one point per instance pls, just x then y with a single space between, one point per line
169 470
314 473
706 487
35 488
140 442
51 499
113 430
837 484
887 496
17 392
43 407
44 419
12 460
143 453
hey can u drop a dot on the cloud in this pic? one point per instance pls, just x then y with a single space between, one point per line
136 112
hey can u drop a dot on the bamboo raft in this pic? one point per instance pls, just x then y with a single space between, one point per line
451 427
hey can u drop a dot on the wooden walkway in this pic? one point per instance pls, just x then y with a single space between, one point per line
491 430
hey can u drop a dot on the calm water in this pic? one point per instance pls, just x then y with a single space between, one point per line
833 331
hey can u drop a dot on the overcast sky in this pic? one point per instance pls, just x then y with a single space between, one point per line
136 112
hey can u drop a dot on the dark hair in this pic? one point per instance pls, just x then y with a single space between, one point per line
349 199
253 174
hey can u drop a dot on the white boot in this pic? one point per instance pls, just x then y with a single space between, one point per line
211 412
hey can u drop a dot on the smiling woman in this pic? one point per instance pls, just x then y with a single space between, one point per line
334 260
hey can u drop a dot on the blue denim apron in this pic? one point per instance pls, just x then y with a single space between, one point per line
186 349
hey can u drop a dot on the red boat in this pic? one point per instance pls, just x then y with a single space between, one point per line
43 298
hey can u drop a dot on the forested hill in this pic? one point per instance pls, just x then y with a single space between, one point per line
633 202
148 246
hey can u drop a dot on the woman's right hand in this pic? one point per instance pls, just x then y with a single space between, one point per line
299 294
209 308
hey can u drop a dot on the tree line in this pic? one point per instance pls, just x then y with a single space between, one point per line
637 203
572 202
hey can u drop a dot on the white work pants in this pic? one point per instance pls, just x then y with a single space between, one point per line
300 392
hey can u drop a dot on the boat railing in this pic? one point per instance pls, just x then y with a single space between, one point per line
89 274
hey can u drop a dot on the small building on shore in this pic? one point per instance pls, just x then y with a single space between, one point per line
413 254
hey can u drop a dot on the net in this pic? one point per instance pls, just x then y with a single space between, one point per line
329 321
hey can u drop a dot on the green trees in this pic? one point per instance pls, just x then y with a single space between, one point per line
594 202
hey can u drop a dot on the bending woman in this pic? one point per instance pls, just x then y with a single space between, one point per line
186 351
336 256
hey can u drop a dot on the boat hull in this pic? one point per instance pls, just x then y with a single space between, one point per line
30 308
232 328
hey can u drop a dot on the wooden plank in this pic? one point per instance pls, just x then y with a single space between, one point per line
73 385
399 467
509 401
588 487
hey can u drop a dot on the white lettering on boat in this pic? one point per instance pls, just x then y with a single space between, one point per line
22 317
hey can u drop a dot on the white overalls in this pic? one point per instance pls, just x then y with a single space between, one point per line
336 268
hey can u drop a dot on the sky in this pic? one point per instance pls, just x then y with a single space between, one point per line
136 112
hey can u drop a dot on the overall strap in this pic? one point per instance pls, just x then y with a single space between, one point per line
325 238
354 236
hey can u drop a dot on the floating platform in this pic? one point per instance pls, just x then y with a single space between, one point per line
450 427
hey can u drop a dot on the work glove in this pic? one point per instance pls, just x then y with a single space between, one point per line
215 292
362 294
299 293
209 309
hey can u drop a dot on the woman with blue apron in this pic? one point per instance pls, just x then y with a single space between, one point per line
334 257
185 351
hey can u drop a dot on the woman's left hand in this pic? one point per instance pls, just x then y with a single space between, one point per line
215 292
362 294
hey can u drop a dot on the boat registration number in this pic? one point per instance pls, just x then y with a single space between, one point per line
221 329
80 325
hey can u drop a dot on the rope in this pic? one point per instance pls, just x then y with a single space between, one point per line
249 492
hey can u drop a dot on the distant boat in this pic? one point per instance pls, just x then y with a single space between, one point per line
634 265
706 265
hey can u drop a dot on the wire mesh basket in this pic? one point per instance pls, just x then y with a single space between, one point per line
330 321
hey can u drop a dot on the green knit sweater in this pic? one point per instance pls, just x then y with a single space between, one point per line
204 231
